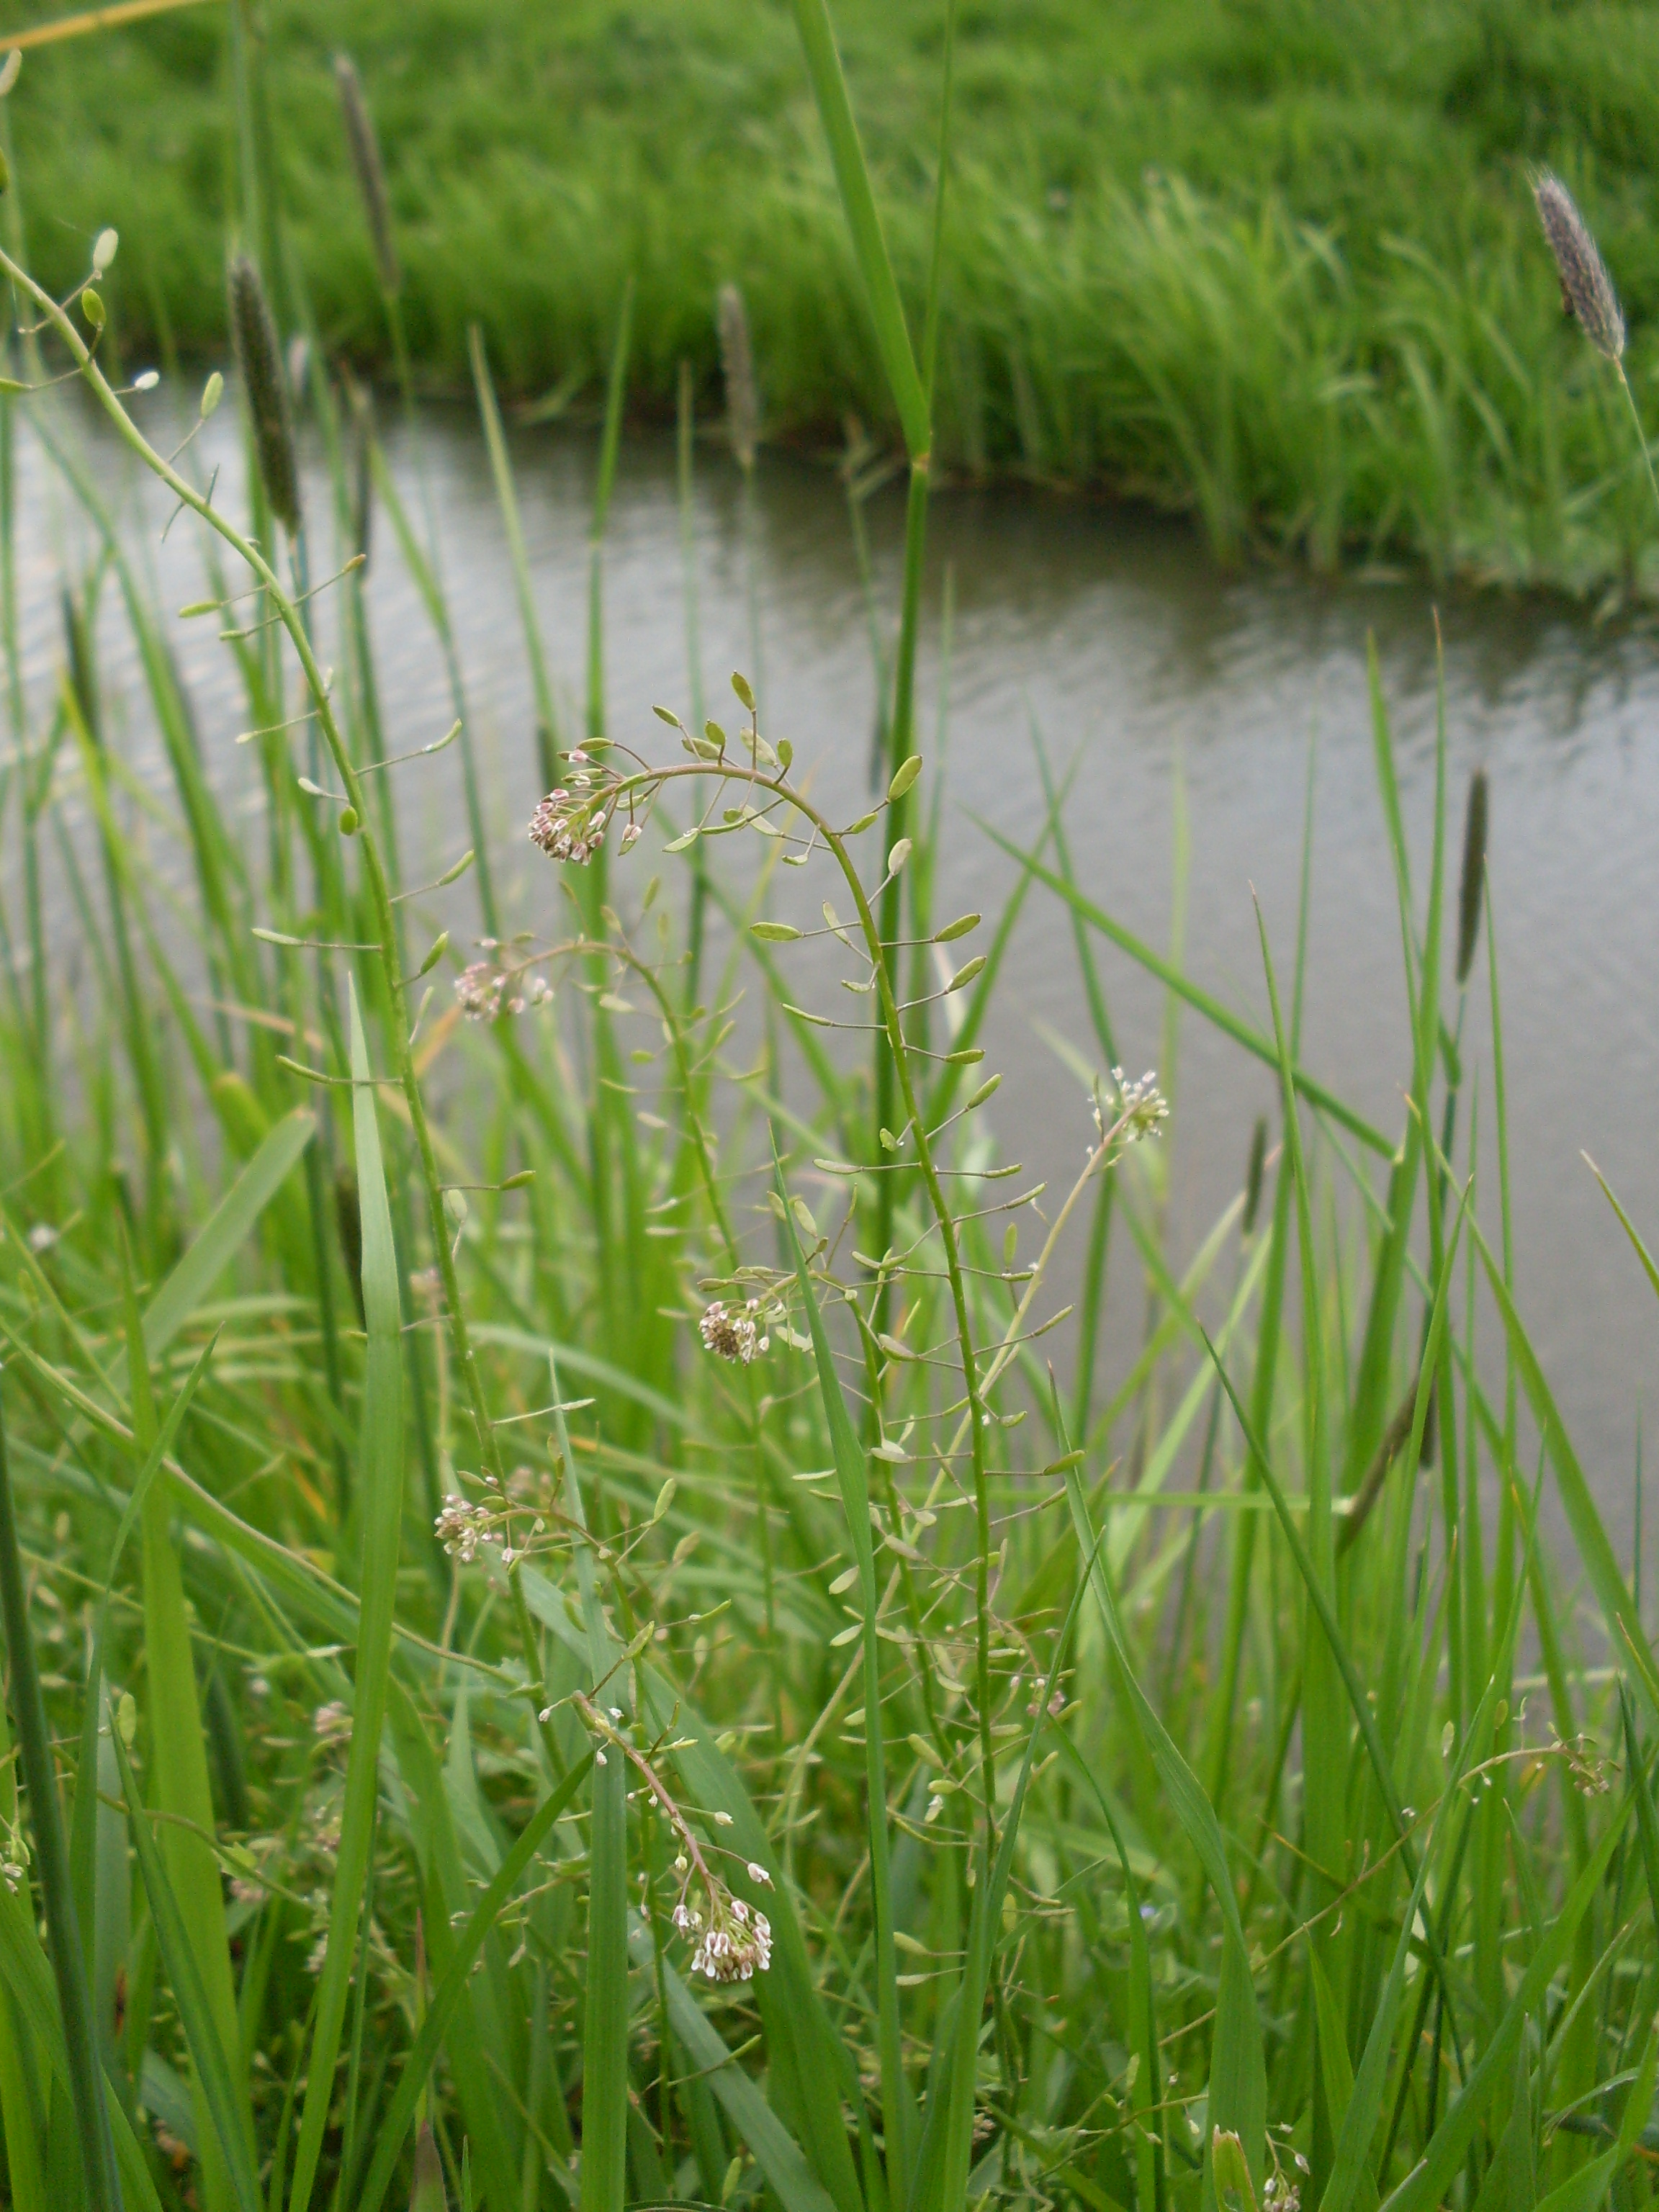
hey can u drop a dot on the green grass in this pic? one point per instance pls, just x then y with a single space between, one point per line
1198 1795
1269 260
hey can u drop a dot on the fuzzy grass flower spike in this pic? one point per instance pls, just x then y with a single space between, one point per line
1587 292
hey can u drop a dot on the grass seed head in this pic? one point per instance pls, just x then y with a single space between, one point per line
364 147
253 333
1253 1174
1586 288
738 367
1473 880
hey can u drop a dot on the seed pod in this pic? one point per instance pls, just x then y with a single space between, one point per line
1473 886
364 147
738 367
259 358
1253 1173
1586 288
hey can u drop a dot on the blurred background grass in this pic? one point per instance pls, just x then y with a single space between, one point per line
1271 259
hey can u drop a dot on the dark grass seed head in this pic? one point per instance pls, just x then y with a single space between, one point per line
1253 1174
364 148
1586 288
259 358
1473 883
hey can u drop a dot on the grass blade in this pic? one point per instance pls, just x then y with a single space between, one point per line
1238 2079
858 205
223 1232
1624 1623
57 1895
179 1774
1426 2185
393 2127
852 1479
212 2062
380 1489
507 498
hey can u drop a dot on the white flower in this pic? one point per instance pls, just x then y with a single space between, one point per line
1139 1107
733 1332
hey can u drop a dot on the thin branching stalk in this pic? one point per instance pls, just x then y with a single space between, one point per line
291 619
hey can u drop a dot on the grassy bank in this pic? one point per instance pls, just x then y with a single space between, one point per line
566 1647
1271 261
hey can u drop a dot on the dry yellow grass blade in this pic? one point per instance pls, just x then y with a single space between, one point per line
90 19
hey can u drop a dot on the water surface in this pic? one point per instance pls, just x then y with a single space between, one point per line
1188 706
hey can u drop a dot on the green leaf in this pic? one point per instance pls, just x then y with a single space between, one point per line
1238 2082
1335 2066
859 204
212 2061
853 1478
1624 1623
604 2178
224 1230
74 2040
776 2152
179 1774
451 1986
381 1489
473 2029
1427 2182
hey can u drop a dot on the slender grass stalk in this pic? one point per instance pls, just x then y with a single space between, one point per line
547 723
92 2123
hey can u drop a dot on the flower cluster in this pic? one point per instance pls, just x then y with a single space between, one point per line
734 1332
486 988
480 988
331 1723
736 1943
464 1524
1136 1110
1585 1767
461 1526
569 824
14 1856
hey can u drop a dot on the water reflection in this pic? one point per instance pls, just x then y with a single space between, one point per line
1189 706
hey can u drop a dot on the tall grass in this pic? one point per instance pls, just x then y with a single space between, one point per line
1270 264
637 1682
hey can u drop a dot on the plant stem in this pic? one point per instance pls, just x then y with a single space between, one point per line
56 1888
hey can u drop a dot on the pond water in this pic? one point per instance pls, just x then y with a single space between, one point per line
1188 704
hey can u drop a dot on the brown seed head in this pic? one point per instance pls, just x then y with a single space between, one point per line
1586 288
738 367
1472 885
364 148
254 336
